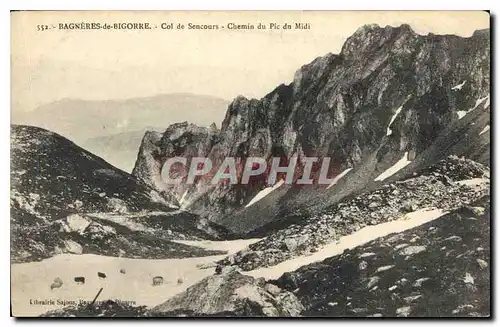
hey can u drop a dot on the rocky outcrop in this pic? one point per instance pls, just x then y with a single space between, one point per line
439 269
457 169
389 91
231 294
437 187
104 234
182 139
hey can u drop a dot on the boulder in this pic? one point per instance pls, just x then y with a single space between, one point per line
232 294
77 223
72 247
409 206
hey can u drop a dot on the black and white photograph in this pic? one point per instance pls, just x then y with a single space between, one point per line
284 164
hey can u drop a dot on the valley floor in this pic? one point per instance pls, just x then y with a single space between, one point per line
32 280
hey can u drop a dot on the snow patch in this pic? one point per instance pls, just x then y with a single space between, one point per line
468 279
473 181
384 268
462 113
229 246
389 130
403 162
363 236
264 193
183 202
480 100
338 177
485 129
183 197
487 103
459 86
124 220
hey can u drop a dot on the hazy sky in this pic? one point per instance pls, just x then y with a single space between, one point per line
95 64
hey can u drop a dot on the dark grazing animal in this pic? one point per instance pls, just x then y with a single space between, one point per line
80 280
158 280
101 275
122 270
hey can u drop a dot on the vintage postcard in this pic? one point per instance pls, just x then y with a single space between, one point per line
250 164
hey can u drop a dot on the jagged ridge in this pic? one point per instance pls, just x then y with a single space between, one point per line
338 106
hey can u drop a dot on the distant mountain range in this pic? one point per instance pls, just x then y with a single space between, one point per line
120 149
85 122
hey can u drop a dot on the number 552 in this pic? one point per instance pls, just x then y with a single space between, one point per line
42 27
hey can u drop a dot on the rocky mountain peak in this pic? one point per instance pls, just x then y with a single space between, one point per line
309 72
372 39
175 130
389 94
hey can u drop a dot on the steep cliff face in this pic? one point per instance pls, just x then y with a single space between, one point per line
390 95
179 140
